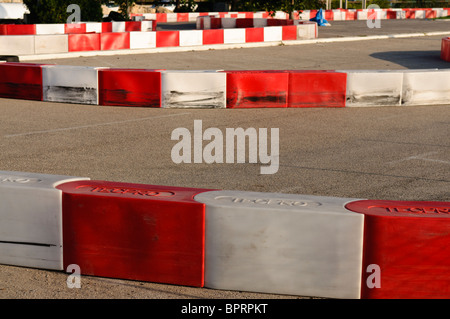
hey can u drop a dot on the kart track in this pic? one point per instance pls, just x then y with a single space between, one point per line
397 153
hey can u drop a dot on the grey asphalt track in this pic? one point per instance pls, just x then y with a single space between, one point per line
398 153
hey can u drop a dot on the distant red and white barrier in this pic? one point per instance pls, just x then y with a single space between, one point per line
223 88
281 243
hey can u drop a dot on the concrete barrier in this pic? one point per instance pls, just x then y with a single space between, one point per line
445 49
70 84
225 239
31 221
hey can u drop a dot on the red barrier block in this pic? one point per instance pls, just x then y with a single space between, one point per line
106 27
430 14
70 28
132 231
84 42
132 26
391 14
445 49
289 32
317 89
167 39
351 15
410 14
244 23
3 29
21 29
161 17
254 35
408 244
115 41
251 89
213 36
21 81
129 87
182 16
216 23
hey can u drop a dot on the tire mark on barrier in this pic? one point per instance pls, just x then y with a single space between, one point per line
93 125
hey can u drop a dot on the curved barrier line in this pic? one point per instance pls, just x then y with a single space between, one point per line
219 88
221 239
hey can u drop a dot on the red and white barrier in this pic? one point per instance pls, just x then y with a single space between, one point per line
445 49
223 89
248 241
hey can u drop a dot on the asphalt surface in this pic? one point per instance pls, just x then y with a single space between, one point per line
398 153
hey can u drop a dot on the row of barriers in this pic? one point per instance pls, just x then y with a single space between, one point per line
235 240
41 44
335 14
223 88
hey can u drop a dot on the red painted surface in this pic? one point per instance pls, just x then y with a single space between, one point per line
21 81
445 49
167 39
133 231
248 89
70 28
254 35
21 29
409 242
84 42
115 41
317 89
129 87
289 32
213 36
132 26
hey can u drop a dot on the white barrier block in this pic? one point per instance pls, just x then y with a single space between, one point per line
193 89
146 26
70 84
94 27
281 15
45 44
307 31
172 17
31 219
142 40
273 34
191 37
282 243
258 15
233 36
118 26
420 14
426 87
361 15
55 28
338 15
373 88
149 16
228 23
259 22
17 44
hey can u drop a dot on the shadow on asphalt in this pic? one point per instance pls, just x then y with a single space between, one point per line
414 59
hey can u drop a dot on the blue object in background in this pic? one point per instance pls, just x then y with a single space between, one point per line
319 19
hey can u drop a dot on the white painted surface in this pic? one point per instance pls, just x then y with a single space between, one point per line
234 36
193 89
142 40
191 37
31 219
373 88
273 33
70 84
53 28
17 44
281 243
45 44
426 87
